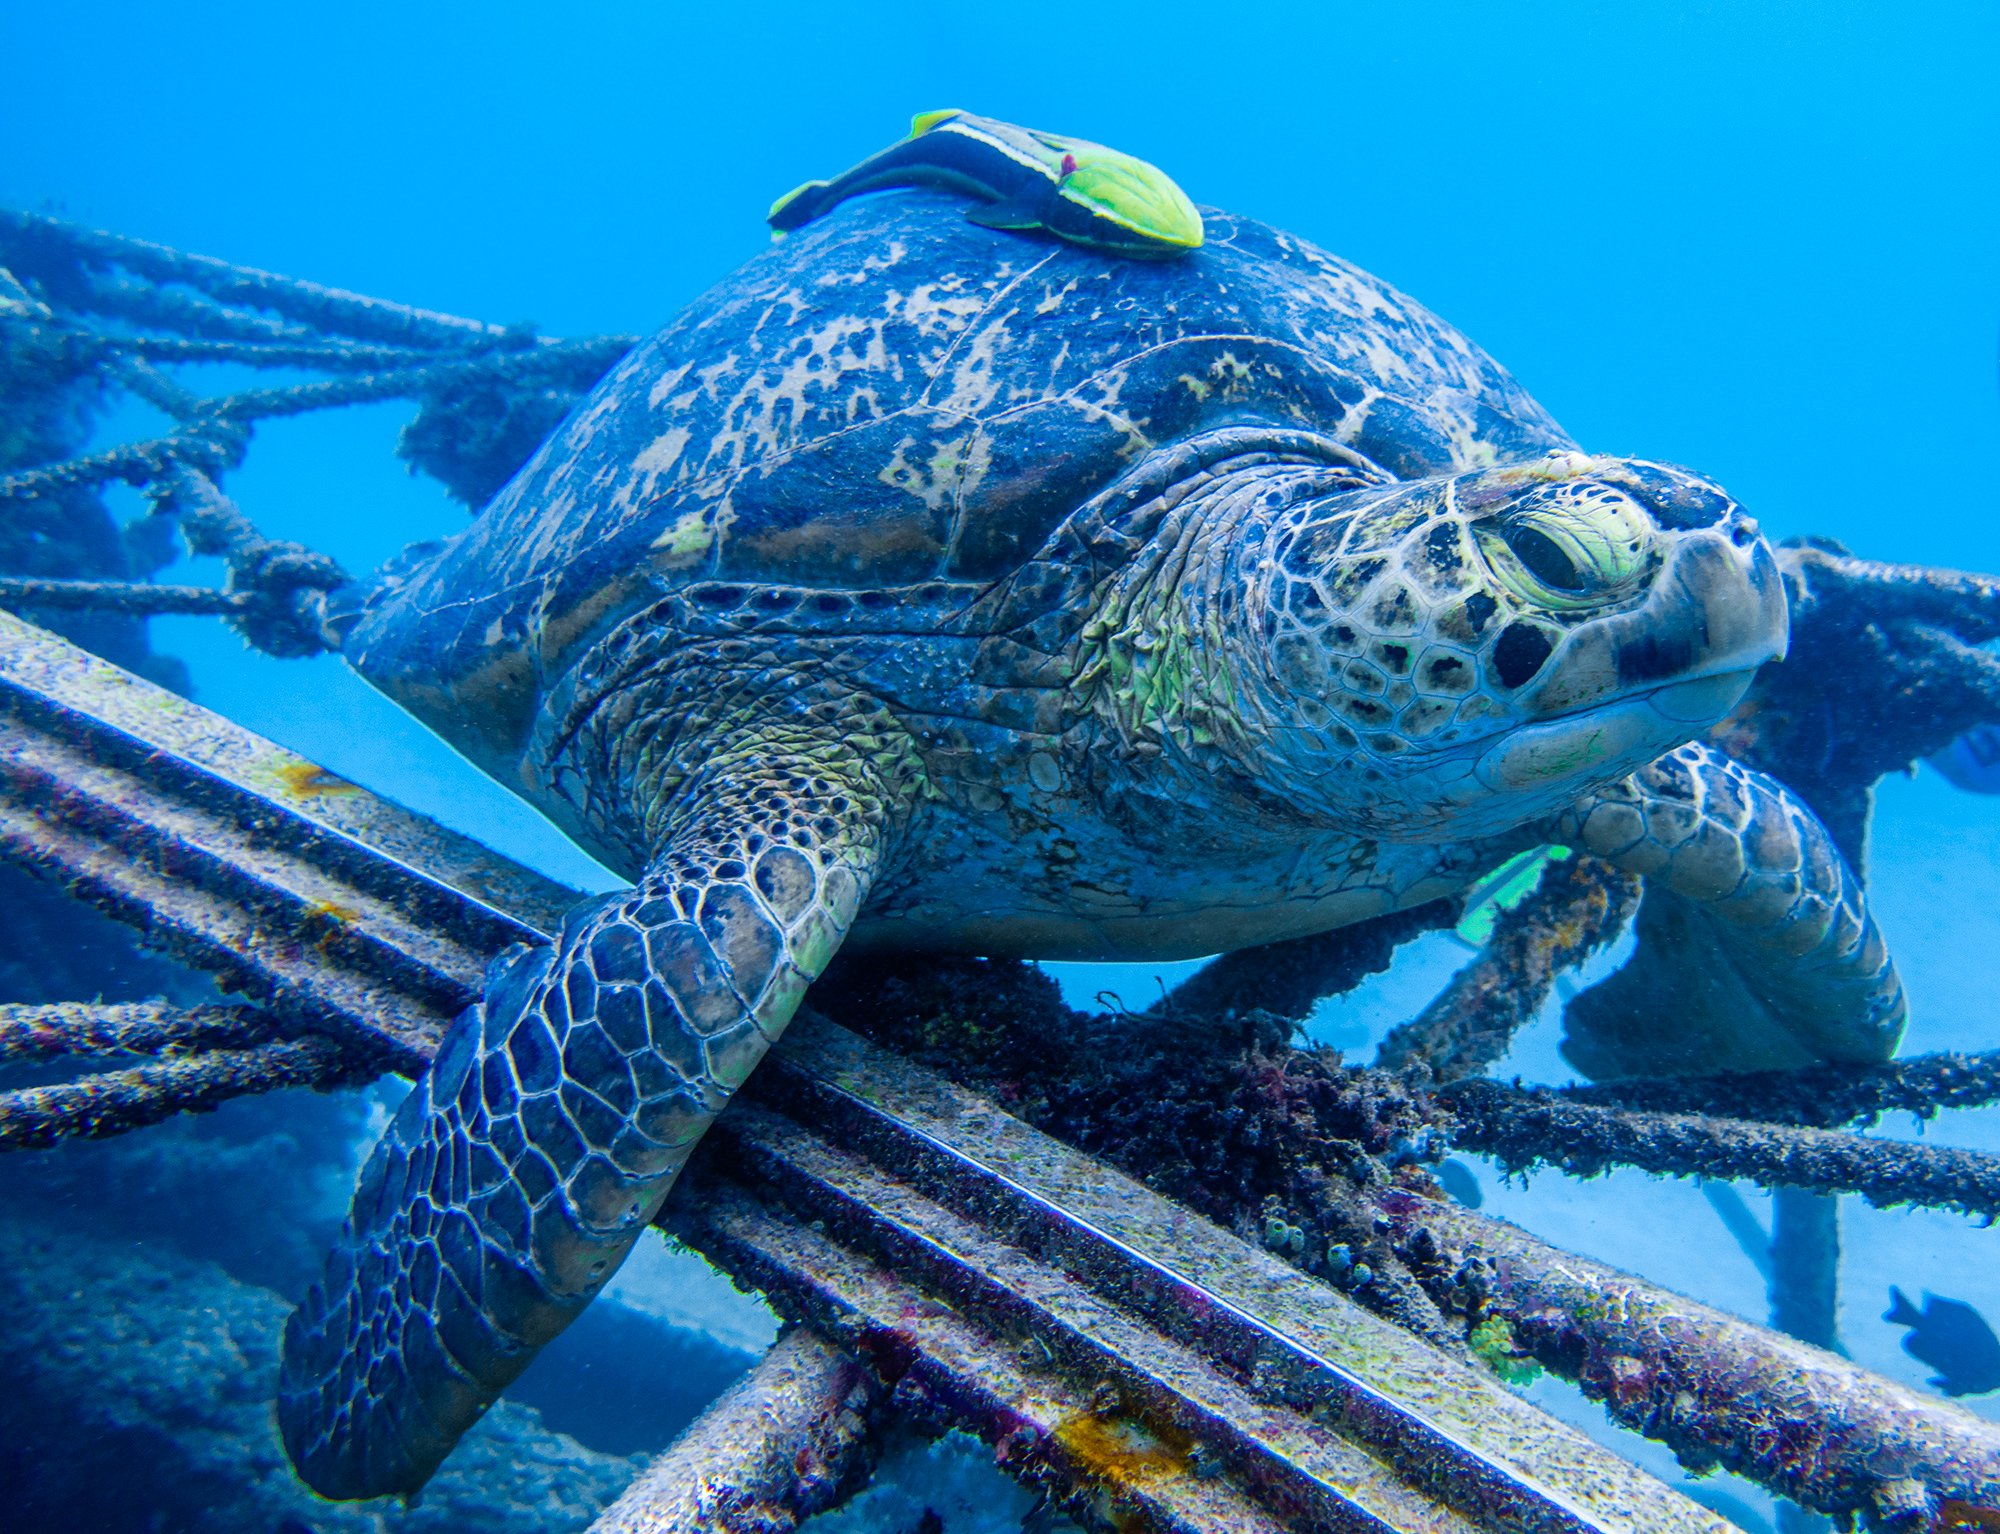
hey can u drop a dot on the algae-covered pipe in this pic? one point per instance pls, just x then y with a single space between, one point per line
116 1102
774 1448
1523 1128
37 245
1716 1389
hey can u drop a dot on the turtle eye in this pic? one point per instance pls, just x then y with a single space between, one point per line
1573 545
1543 556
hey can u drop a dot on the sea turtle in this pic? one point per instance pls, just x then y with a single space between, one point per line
942 587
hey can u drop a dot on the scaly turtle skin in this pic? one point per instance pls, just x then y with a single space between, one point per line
932 586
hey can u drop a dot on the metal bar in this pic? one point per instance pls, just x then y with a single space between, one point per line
1737 1219
161 390
243 859
139 599
214 439
61 1028
1581 904
326 356
1048 1428
117 1102
591 352
1964 602
1715 1388
1804 1282
177 309
1819 1096
1524 1128
214 445
25 236
777 1445
1283 981
1139 1288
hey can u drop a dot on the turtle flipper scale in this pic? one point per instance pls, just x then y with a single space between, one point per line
521 1169
1742 878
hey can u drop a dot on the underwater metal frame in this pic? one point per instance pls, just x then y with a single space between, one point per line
1116 1345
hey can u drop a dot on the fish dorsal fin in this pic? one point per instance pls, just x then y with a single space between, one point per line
923 122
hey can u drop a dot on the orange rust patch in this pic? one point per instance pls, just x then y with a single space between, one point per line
1124 1449
305 778
1953 1514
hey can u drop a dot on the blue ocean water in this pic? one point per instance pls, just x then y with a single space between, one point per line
1756 239
1759 239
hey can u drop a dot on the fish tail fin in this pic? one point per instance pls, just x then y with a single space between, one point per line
796 207
1901 1312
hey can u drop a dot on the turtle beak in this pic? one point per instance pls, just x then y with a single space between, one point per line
1716 611
1610 740
1628 687
1607 692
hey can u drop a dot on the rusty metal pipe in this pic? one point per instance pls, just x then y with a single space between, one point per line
1717 1389
115 1102
1305 1393
1523 1129
246 860
97 1029
771 1450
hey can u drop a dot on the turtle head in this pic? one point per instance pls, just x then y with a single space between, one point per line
1462 655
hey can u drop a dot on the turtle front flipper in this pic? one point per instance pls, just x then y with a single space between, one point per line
545 1136
1757 949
